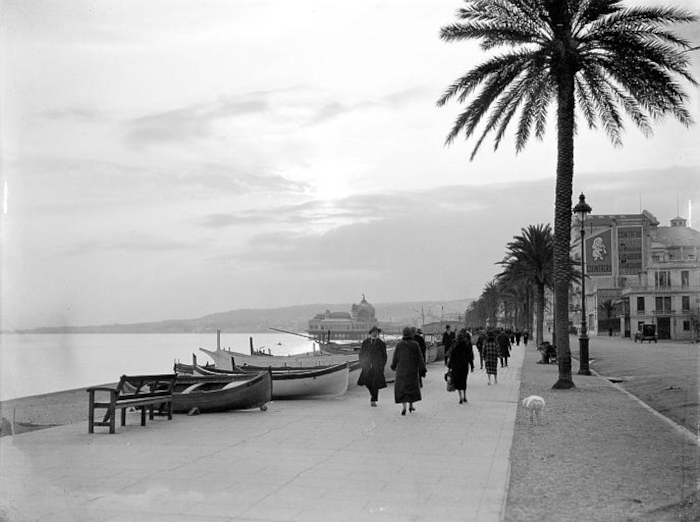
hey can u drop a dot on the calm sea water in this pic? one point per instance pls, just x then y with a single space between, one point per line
36 364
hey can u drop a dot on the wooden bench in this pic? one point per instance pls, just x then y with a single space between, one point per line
137 391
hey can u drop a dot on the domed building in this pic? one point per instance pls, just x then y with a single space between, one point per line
354 325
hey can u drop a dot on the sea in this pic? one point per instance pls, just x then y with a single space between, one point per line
36 364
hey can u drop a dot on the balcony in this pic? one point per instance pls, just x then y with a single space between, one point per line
659 290
663 312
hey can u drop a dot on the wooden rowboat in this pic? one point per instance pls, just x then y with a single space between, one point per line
324 382
301 383
223 392
226 359
354 369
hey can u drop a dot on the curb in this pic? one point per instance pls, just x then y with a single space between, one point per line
682 430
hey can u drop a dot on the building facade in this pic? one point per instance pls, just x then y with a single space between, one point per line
353 325
638 272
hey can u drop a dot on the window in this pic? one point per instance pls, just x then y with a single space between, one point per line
640 304
686 303
686 326
685 278
662 278
663 304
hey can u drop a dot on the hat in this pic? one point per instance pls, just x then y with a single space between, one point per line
407 331
375 328
419 331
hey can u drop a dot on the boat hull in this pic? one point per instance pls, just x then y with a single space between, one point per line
301 383
225 359
222 393
328 382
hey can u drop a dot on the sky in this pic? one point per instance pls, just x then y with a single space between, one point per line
170 159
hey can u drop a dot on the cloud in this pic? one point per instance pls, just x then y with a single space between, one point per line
133 243
191 122
84 115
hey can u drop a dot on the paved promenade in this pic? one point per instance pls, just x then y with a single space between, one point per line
312 460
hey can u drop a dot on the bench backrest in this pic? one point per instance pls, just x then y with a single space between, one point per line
141 386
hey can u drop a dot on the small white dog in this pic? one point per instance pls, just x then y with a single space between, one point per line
535 405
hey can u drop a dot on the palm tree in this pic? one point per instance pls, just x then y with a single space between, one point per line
609 306
491 299
595 54
530 259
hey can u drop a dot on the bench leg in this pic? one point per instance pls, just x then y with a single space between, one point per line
151 413
170 410
112 421
91 413
143 415
123 416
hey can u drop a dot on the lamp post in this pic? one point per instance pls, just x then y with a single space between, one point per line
581 210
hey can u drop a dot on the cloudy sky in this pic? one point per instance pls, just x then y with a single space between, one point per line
170 159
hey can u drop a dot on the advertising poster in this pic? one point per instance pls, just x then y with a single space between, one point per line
629 244
599 254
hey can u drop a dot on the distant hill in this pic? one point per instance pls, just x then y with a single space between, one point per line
292 318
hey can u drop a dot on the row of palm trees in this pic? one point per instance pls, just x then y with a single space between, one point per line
597 57
516 296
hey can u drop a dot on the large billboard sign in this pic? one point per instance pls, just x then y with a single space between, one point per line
599 254
629 245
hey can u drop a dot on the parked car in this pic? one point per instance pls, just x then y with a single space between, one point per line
646 333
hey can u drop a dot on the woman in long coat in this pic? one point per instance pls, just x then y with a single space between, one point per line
373 359
461 361
491 353
409 365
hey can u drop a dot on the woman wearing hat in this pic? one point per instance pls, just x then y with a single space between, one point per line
373 360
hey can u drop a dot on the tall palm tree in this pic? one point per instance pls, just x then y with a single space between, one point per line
529 257
491 299
596 55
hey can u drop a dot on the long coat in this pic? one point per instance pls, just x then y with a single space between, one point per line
491 355
373 360
461 360
503 345
409 364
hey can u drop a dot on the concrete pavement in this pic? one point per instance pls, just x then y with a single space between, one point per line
308 460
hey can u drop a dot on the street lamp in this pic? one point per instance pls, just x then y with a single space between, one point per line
581 210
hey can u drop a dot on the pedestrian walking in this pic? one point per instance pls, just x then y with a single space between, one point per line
448 339
409 365
518 335
480 348
491 357
526 336
503 347
373 359
418 337
461 362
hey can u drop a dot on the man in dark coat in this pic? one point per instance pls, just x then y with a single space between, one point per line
409 364
373 360
418 337
480 347
448 338
503 340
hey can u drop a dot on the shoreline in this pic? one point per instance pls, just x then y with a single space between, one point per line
44 411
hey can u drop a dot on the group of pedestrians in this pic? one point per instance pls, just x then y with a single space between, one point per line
409 361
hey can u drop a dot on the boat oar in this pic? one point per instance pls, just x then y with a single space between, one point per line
293 333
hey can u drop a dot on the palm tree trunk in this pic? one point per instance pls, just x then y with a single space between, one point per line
562 220
540 315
